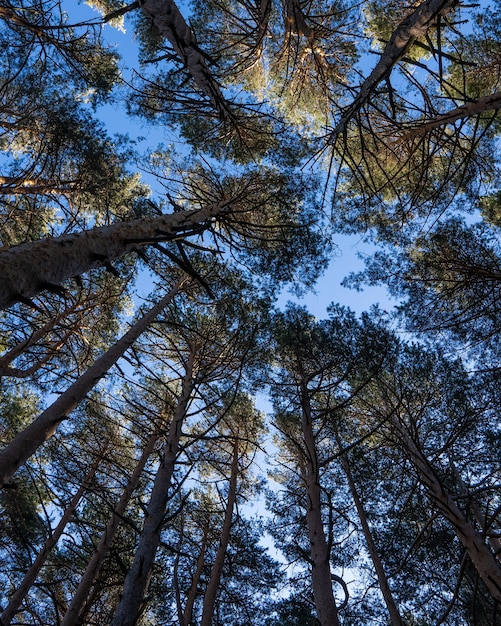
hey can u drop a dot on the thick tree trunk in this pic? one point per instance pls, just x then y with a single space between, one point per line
74 611
30 268
325 603
169 21
391 605
32 573
138 577
412 27
32 437
481 556
217 567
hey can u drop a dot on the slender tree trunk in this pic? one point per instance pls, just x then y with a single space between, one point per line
412 27
32 437
138 577
481 556
391 605
325 603
470 109
217 568
75 609
193 590
33 267
32 573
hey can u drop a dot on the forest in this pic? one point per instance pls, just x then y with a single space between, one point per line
179 445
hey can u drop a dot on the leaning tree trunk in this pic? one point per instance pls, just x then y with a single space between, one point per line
138 577
413 27
30 268
395 618
75 609
321 576
31 438
30 576
473 542
217 567
167 18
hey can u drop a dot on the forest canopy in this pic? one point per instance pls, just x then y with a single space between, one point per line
178 445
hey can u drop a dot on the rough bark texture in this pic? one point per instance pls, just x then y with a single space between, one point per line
169 21
217 567
93 568
395 617
138 577
30 576
325 603
481 556
470 109
413 27
30 268
32 437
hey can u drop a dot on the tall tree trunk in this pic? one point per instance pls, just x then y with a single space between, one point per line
74 611
31 438
325 603
217 567
169 21
33 267
32 573
391 605
412 27
138 577
192 591
481 556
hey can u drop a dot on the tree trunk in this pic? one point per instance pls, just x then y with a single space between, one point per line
138 577
32 267
169 21
470 109
31 438
34 570
325 603
412 27
482 558
217 567
192 591
395 618
74 611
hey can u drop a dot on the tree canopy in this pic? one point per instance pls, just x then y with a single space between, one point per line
178 445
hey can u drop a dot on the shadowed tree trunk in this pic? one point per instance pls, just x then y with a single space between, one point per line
32 437
73 614
325 603
138 577
30 576
217 567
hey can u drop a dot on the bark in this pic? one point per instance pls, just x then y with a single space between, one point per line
395 618
481 556
193 590
32 573
30 268
470 109
494 541
91 574
325 603
31 438
169 21
217 567
412 27
138 577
